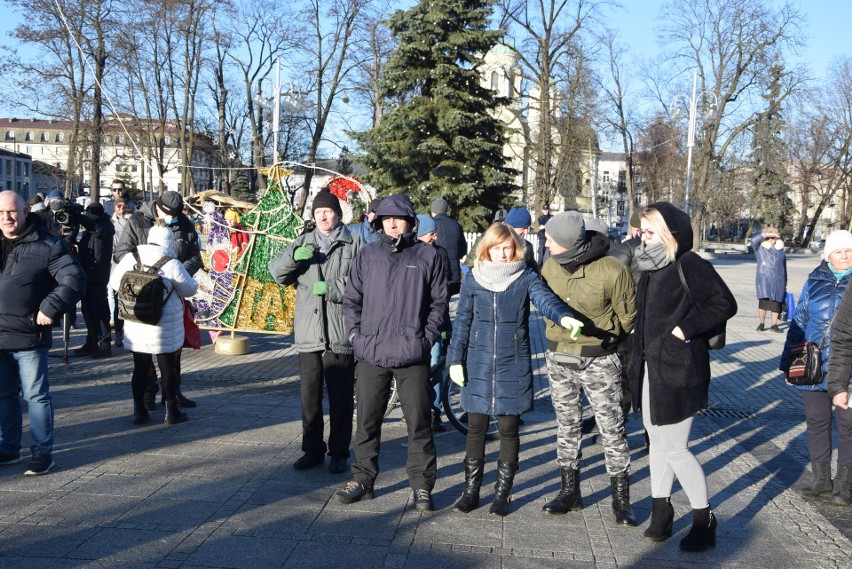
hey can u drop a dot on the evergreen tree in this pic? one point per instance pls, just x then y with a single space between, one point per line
438 136
769 200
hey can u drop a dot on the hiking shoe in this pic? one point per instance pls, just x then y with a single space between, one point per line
353 492
309 461
40 464
337 465
10 458
423 501
760 327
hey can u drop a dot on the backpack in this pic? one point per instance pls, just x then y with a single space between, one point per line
142 292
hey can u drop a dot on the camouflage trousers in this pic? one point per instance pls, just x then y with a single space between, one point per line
601 381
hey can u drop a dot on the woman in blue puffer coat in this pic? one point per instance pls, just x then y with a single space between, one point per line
491 336
820 300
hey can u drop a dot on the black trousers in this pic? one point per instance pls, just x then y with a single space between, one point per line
415 397
337 372
507 428
95 307
143 364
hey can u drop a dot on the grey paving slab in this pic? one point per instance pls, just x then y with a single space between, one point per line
240 552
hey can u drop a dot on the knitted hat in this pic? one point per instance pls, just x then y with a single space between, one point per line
597 224
439 206
95 208
518 217
55 195
170 203
35 199
162 236
568 230
425 224
840 239
635 219
326 199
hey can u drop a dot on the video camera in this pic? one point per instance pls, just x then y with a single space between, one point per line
66 212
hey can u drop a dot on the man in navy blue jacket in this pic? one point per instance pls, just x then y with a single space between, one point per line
39 280
393 308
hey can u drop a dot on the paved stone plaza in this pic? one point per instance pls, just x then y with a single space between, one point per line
220 491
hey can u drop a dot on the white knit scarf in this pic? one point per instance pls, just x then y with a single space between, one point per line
497 277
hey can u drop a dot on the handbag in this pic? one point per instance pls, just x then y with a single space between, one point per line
191 331
716 337
806 361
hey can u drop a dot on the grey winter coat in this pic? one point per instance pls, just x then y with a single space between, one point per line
771 276
332 267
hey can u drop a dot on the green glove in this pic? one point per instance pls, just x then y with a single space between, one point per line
303 253
445 335
457 374
320 288
573 326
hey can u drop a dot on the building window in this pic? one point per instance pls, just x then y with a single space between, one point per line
167 140
511 87
60 136
622 181
605 176
119 139
10 135
45 136
495 81
30 136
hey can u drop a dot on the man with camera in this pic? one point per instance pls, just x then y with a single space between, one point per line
39 280
95 254
169 208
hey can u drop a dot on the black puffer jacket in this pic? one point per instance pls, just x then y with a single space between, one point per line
395 301
451 238
95 248
186 247
678 371
37 273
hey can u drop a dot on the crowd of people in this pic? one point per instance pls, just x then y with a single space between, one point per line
628 326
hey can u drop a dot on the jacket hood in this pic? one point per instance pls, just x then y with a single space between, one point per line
678 223
398 205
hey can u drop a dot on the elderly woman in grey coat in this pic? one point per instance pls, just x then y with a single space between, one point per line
771 277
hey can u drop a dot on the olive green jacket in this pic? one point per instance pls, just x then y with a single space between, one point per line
601 294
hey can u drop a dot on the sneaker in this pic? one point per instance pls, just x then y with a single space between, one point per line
10 458
309 461
40 464
337 465
353 492
423 501
775 328
760 327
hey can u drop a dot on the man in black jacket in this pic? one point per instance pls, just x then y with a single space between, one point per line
169 208
39 280
451 238
95 254
393 308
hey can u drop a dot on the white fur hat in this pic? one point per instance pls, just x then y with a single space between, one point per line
840 239
162 236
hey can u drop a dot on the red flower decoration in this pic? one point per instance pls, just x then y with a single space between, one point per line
220 260
340 186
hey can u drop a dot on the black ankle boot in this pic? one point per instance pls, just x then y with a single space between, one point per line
662 516
173 413
185 401
569 497
703 532
140 414
150 397
469 500
621 507
505 478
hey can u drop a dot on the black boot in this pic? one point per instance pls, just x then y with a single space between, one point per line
662 516
821 483
86 349
140 414
703 532
569 497
173 413
473 468
621 508
184 401
505 478
119 339
842 483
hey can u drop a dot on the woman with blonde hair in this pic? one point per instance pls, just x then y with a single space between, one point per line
489 355
680 299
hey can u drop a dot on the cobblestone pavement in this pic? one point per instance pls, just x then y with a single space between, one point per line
220 491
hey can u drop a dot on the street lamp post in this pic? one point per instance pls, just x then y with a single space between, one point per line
292 103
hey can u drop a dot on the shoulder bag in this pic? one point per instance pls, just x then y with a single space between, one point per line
806 361
716 336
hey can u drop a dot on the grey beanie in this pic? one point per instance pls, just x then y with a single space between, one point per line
439 206
568 230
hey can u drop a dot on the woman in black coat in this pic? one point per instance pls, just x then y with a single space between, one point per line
491 336
670 364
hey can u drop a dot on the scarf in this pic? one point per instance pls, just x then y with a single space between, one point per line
651 258
839 274
497 277
324 241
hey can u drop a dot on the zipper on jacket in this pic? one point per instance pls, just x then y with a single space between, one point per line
494 356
